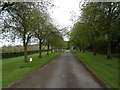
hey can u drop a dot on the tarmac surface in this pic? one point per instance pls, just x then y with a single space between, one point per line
65 71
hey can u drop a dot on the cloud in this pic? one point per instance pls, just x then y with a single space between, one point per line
62 14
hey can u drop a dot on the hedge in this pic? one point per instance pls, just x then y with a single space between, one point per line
16 54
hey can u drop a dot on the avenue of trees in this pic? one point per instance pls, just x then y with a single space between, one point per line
98 28
30 20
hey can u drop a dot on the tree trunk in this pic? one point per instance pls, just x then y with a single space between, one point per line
51 49
109 55
25 49
55 49
48 49
79 45
83 48
94 50
25 53
80 49
40 49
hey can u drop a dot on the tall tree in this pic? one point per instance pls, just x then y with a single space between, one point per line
21 21
90 17
110 17
100 23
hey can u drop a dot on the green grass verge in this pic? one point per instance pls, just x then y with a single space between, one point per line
106 69
0 74
14 68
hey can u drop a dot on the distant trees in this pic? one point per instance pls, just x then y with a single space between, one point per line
28 20
56 41
100 22
78 36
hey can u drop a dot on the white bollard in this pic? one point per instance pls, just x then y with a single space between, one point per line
30 59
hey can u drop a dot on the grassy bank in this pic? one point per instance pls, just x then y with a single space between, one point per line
106 69
15 68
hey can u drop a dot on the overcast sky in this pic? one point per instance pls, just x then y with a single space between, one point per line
63 11
61 14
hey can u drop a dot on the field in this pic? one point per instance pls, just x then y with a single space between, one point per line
15 68
106 69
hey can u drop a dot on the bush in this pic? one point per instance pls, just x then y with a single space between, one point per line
16 54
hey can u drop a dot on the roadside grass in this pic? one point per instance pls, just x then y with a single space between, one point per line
106 69
14 68
0 74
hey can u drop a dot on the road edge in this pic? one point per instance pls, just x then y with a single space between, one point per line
95 76
33 71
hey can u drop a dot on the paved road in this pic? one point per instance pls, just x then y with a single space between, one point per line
65 71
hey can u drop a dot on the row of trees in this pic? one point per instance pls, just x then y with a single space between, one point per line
30 20
98 27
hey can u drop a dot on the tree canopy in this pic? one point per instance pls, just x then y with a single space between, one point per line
29 20
99 22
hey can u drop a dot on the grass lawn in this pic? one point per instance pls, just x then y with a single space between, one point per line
106 69
0 74
15 68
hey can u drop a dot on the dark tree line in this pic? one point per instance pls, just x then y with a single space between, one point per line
98 28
